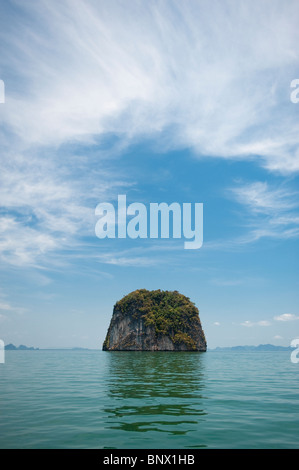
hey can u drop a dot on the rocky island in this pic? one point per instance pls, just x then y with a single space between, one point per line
155 321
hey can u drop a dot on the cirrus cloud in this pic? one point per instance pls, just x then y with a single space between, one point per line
204 76
210 72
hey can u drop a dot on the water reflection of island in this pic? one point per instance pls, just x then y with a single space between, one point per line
156 391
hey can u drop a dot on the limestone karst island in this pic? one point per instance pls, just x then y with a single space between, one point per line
155 321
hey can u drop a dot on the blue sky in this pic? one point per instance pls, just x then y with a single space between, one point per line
164 101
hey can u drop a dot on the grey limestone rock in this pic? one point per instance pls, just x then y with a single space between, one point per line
155 321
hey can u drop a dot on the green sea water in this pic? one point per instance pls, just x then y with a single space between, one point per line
148 400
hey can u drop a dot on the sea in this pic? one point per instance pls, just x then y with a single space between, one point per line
88 399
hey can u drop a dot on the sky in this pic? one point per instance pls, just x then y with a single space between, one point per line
161 101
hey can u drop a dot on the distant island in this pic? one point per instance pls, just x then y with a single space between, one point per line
155 321
12 347
260 347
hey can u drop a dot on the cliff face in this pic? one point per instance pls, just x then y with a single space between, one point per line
155 321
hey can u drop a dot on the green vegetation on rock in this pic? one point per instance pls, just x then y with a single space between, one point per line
167 314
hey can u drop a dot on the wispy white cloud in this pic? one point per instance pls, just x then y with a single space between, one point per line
268 211
260 198
264 323
6 306
271 212
250 324
129 261
143 255
285 317
247 323
48 206
212 72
